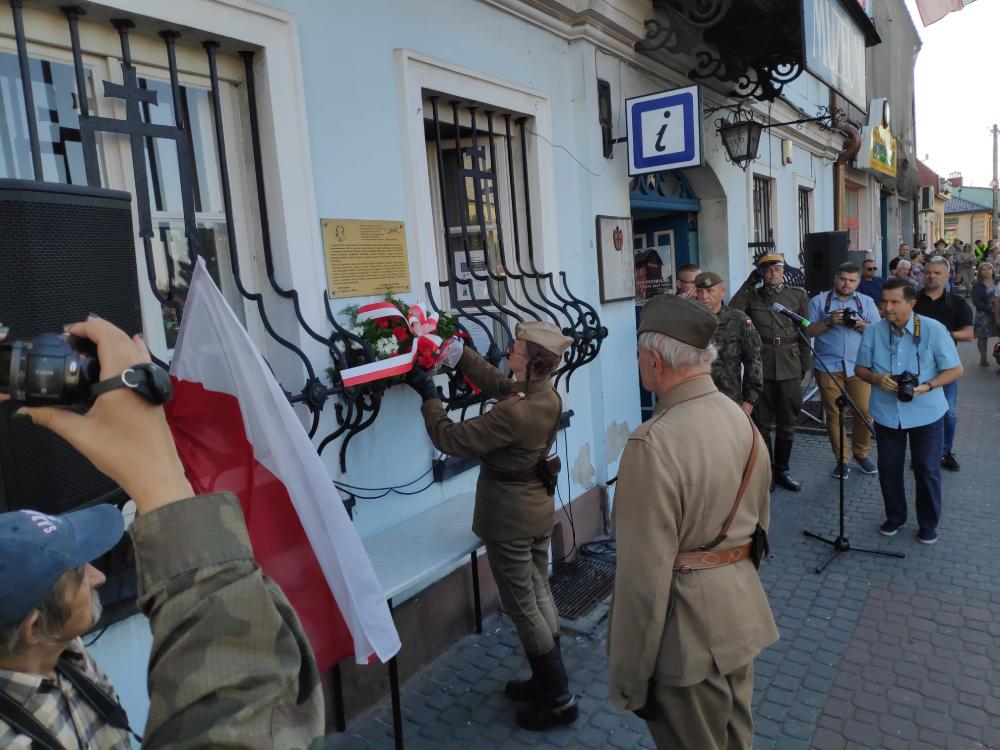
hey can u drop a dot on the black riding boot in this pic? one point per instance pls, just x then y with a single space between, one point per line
527 690
782 456
554 705
770 453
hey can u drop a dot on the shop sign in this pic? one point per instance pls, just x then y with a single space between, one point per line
878 151
834 48
664 131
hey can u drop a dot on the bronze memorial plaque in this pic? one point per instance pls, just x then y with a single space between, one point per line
365 257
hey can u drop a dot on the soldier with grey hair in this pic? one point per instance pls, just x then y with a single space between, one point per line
230 665
689 614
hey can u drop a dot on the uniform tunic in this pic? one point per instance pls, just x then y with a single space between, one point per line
679 476
737 371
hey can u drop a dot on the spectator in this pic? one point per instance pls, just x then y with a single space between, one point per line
965 263
230 665
871 282
953 312
902 271
994 257
836 348
917 267
905 342
979 250
902 254
984 300
686 275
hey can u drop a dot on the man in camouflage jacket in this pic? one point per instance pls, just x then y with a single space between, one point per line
230 664
737 371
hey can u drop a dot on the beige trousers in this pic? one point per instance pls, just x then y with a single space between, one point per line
711 715
521 570
860 392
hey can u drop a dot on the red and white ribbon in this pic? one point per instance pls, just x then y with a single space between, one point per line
422 325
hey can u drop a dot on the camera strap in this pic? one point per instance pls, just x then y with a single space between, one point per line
829 301
143 379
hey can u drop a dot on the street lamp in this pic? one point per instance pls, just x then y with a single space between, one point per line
741 137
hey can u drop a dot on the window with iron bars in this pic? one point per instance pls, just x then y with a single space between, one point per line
762 211
805 217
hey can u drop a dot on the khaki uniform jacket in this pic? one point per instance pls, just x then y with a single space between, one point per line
678 479
511 437
787 361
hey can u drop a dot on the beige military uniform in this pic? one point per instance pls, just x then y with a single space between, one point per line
514 514
689 638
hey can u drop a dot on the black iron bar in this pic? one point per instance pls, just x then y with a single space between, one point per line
124 25
29 96
90 161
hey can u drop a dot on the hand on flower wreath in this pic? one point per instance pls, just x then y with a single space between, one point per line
420 380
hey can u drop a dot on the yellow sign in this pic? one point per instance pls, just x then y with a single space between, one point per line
364 257
883 158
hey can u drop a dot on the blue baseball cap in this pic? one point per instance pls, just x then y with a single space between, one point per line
37 549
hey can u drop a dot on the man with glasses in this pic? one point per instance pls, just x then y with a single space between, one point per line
871 283
909 359
686 275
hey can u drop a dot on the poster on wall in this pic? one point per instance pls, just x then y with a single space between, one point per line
467 264
615 260
654 267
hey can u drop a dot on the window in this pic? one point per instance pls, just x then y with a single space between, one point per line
762 218
805 217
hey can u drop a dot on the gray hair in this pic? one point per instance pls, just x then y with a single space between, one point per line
939 260
677 354
53 612
904 264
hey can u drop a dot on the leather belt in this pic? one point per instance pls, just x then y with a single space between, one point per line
507 476
687 562
782 340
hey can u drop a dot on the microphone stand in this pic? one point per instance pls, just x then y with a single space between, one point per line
841 543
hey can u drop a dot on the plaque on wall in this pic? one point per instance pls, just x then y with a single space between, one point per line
365 257
615 264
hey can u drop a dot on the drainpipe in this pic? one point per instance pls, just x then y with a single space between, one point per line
851 148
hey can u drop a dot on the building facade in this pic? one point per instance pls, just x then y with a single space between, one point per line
476 125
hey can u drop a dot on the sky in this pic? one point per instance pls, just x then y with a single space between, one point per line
957 91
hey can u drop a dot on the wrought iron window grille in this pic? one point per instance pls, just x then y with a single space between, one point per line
541 293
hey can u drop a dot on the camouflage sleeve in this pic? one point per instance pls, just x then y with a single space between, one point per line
753 366
485 376
230 664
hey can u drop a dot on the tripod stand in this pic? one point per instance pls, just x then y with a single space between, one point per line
841 543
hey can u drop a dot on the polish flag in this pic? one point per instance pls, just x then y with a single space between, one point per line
934 10
236 431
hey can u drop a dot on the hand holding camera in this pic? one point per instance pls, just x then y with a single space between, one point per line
123 434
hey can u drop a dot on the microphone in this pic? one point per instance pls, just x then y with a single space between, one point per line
782 310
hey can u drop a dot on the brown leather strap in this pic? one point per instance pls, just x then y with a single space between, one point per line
498 475
782 341
685 562
747 473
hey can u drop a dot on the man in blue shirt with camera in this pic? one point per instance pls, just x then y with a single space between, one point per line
908 358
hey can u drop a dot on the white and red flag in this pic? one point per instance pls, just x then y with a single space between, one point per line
934 10
236 431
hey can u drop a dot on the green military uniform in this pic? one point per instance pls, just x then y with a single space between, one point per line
514 512
737 371
785 359
230 665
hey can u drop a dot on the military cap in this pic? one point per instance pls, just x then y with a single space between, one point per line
707 279
680 319
769 260
543 333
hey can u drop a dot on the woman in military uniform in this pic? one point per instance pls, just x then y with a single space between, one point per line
514 510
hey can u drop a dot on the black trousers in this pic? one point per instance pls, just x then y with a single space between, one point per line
778 407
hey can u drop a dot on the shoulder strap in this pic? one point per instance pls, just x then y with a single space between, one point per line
747 473
21 720
110 710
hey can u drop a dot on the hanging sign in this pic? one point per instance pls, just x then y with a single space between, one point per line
878 151
664 131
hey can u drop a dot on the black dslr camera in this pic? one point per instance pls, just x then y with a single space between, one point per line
49 370
850 317
906 381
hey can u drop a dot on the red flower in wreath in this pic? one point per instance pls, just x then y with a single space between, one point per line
381 322
402 334
426 353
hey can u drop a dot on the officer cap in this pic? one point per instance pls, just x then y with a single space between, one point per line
707 279
769 260
543 333
680 319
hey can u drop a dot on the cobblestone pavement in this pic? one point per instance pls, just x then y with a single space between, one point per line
875 652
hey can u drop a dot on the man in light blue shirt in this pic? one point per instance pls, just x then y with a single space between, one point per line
840 315
905 344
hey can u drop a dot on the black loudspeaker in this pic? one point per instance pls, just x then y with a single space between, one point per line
824 252
65 251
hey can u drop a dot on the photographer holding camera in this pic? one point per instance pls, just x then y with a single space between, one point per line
230 664
909 358
841 315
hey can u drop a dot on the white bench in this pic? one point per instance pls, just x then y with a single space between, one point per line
408 558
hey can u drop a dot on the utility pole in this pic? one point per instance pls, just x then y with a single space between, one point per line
996 188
